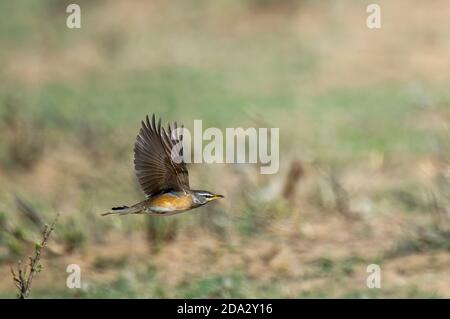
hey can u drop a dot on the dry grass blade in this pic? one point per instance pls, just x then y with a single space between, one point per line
342 197
28 211
296 172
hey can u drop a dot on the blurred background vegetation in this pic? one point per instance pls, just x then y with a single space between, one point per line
364 143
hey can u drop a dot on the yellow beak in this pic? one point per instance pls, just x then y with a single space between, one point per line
217 196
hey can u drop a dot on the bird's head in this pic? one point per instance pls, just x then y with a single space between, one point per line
203 197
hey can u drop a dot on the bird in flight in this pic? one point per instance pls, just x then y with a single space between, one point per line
163 180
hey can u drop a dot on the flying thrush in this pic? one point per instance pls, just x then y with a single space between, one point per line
163 180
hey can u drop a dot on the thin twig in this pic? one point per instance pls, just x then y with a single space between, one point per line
25 275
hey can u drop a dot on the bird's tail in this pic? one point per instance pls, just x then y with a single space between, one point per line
125 210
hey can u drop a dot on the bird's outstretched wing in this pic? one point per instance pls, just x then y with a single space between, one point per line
155 169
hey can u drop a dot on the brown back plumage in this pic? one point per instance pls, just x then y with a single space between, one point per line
155 169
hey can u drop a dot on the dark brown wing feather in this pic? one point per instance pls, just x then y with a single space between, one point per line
155 169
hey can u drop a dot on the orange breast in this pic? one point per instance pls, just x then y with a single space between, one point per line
170 202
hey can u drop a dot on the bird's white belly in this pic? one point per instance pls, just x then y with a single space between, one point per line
160 209
166 211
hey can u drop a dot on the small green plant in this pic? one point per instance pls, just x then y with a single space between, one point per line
160 231
73 235
23 277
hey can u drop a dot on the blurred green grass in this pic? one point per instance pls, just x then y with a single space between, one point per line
358 121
